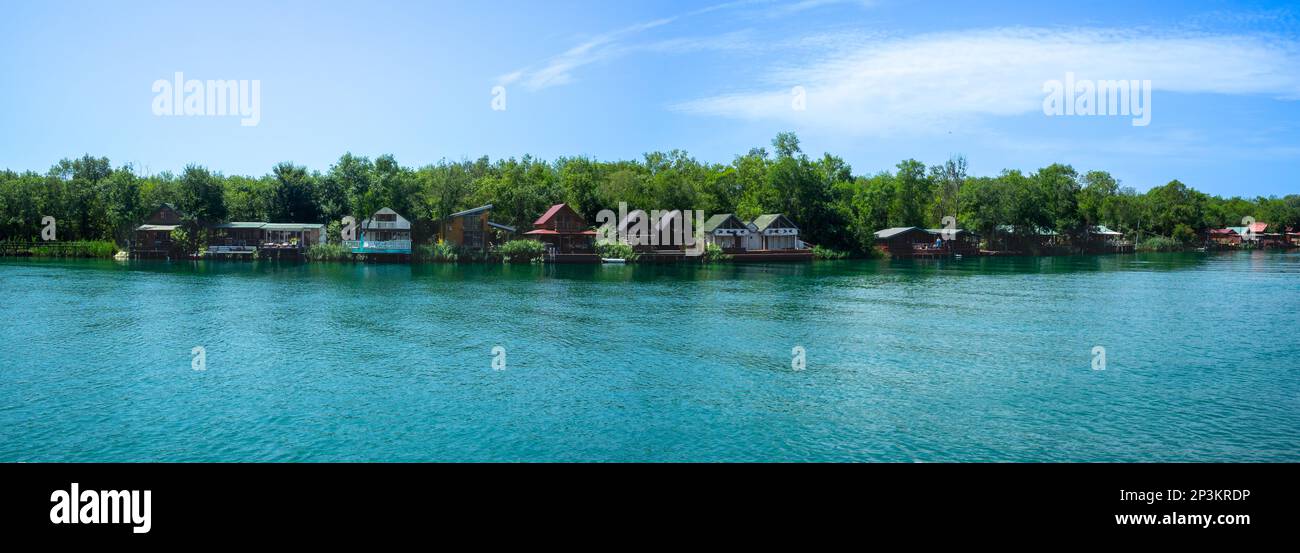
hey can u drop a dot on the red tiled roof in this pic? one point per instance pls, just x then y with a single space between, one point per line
1258 228
541 221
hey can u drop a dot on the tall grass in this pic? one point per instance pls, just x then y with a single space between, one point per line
1160 244
87 248
328 252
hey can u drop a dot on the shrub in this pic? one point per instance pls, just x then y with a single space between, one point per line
713 254
522 251
440 252
616 250
827 253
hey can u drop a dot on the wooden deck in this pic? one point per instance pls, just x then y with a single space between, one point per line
763 256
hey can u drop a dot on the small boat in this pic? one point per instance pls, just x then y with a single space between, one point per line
615 260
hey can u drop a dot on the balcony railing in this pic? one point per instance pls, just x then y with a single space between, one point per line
378 244
231 249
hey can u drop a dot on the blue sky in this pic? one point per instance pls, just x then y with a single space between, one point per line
884 80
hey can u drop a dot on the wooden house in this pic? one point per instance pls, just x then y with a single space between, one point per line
901 241
472 229
154 237
1223 238
919 242
566 236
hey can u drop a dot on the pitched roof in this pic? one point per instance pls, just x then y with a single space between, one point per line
1258 228
767 220
554 211
718 220
400 224
547 216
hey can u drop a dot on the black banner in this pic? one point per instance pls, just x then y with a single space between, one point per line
322 501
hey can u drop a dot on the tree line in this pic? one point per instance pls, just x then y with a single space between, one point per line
834 208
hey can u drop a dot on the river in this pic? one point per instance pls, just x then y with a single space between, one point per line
988 359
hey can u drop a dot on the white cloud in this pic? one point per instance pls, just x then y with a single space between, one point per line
930 83
559 69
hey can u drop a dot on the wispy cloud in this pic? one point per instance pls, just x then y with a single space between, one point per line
932 82
561 68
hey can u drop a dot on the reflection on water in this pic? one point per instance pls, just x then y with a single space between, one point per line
937 360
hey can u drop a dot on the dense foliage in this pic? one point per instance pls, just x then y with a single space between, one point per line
834 208
522 251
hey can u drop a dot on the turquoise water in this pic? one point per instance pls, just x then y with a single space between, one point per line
972 360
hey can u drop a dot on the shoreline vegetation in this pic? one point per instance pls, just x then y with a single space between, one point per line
96 206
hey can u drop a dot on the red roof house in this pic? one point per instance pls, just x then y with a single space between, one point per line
566 235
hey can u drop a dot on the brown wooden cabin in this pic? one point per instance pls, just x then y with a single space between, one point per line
473 230
566 236
919 242
1223 238
153 239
